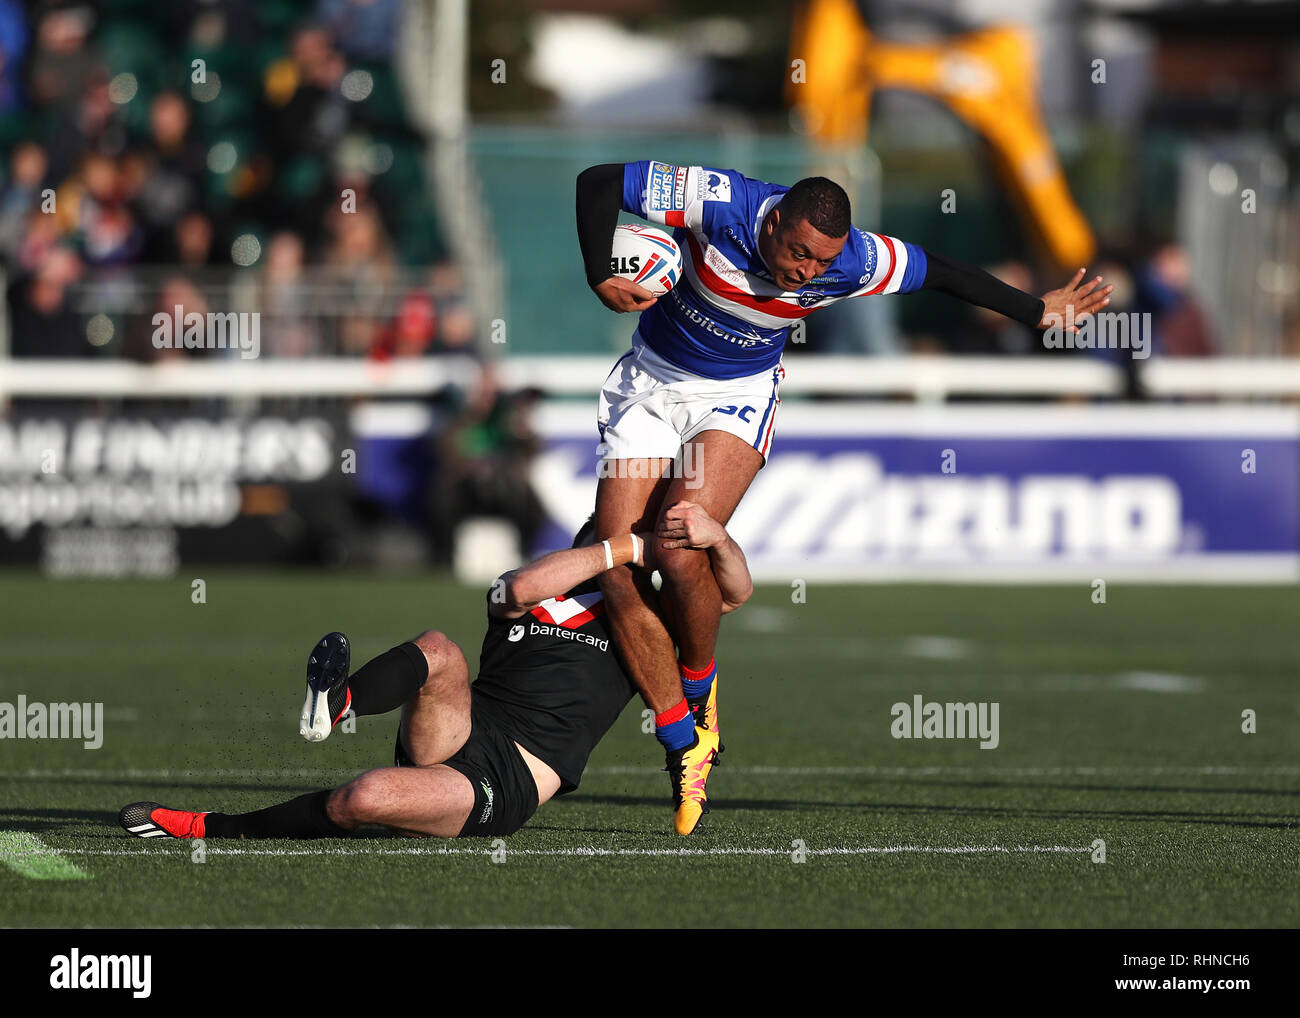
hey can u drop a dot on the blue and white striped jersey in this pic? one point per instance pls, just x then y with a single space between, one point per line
728 318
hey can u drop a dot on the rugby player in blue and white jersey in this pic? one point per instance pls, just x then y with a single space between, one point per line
702 383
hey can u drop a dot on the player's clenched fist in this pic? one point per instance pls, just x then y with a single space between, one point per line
687 525
622 295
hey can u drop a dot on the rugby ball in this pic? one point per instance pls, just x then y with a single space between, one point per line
648 257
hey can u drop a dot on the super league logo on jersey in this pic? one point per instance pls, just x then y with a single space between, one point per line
667 189
809 298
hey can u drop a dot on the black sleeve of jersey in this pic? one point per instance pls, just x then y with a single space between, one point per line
975 286
600 196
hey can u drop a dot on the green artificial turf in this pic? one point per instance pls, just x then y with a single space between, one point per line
1119 721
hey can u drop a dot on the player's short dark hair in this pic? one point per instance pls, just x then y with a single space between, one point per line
820 202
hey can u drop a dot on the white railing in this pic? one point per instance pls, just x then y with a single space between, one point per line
925 378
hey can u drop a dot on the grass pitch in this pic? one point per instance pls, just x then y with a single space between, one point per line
1120 722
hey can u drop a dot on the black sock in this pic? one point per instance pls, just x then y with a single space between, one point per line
303 817
386 682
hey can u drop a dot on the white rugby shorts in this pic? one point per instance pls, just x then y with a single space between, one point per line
649 408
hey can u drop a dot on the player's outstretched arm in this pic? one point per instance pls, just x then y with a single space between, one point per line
521 590
975 286
600 196
687 525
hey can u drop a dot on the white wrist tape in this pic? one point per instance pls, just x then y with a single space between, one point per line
609 555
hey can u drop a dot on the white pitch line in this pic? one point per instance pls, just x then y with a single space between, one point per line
936 648
587 852
756 769
1018 772
28 856
170 772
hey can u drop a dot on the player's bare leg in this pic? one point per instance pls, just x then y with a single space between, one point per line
691 599
692 603
433 800
693 606
428 798
436 720
628 496
627 499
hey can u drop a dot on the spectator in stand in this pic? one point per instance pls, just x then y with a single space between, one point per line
307 112
1117 271
456 331
1164 288
14 38
365 29
42 236
289 325
178 160
122 200
44 324
176 291
62 64
21 196
411 332
192 241
456 327
484 460
95 125
360 258
104 222
431 321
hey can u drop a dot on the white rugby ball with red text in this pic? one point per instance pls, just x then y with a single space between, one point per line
648 257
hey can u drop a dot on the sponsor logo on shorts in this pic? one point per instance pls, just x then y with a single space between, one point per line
486 815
